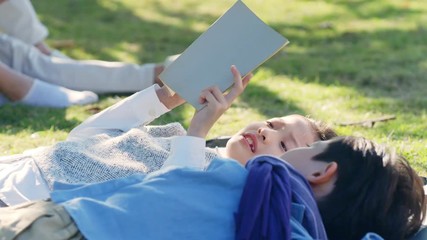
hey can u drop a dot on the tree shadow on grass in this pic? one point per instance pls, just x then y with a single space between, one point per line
268 103
99 28
384 63
362 9
389 60
15 118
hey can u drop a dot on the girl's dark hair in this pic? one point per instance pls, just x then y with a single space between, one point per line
324 131
376 191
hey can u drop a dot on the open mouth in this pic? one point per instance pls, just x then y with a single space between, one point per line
250 139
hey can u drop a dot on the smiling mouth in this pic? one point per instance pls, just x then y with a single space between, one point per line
250 140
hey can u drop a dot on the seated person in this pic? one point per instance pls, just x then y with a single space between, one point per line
117 143
33 74
19 19
51 76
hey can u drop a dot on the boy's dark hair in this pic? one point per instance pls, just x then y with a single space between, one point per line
324 132
376 191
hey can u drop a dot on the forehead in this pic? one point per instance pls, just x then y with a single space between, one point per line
295 119
299 127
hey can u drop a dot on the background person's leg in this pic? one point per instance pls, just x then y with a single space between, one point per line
44 94
13 85
20 88
97 76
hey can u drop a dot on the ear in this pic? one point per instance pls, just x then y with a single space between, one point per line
323 176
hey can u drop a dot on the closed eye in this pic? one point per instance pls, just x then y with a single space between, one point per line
269 124
283 146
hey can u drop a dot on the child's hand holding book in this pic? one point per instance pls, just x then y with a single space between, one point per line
215 104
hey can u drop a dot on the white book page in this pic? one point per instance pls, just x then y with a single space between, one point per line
238 38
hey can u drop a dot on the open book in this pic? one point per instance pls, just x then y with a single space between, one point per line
238 38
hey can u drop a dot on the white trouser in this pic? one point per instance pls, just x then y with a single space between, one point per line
96 76
18 19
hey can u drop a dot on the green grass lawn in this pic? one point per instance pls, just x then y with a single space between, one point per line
347 61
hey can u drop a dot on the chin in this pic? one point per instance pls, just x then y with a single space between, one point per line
237 152
241 161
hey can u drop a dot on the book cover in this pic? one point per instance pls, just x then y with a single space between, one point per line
238 38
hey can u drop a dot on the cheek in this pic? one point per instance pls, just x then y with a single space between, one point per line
299 159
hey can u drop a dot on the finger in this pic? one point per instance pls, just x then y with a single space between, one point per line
237 77
210 98
246 79
219 96
207 95
202 97
215 91
237 88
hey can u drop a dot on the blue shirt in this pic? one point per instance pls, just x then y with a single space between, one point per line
173 203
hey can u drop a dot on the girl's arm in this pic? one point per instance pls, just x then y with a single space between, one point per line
189 150
216 103
139 109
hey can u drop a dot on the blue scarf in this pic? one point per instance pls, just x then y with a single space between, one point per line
265 206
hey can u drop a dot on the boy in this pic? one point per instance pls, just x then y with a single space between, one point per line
359 187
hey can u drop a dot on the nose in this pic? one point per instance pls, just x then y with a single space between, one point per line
264 133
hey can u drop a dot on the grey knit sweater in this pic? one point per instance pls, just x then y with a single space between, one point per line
110 155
